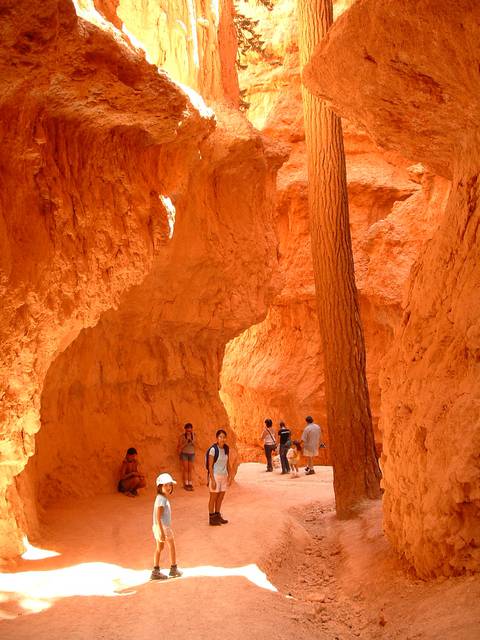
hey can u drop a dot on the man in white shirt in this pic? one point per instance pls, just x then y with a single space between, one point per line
311 437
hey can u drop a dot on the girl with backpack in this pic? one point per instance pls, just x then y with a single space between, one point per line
219 476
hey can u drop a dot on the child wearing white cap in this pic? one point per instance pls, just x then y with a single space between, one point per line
162 531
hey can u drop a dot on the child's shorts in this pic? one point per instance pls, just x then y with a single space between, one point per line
157 534
221 484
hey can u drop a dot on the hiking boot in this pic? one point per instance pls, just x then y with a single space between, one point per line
214 521
175 572
157 575
220 519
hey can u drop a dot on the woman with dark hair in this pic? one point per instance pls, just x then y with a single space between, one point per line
130 477
219 473
186 451
284 434
269 442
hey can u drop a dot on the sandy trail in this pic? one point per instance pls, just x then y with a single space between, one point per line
325 579
98 587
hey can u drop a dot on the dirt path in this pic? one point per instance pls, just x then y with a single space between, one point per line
325 579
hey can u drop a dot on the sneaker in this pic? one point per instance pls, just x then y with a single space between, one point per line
189 487
310 472
157 575
175 572
220 519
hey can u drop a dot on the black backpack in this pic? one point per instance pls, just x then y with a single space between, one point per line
216 449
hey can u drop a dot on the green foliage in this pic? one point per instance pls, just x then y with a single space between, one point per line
249 40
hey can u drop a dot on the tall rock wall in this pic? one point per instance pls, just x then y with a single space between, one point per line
276 368
419 94
193 40
154 363
91 137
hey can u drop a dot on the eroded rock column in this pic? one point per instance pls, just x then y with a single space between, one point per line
382 66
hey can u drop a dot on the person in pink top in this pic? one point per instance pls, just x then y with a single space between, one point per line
269 442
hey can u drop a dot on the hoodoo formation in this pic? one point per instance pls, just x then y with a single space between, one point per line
155 253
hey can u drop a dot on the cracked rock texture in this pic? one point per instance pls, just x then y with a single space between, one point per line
420 94
154 363
193 40
276 367
143 237
91 135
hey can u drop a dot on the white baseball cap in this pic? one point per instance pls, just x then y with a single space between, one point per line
165 478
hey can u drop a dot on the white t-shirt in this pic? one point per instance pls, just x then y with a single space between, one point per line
268 436
311 437
162 501
220 466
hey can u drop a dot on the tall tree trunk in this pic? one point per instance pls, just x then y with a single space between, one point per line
355 465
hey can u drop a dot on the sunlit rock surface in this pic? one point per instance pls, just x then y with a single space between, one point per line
154 363
420 94
91 136
193 40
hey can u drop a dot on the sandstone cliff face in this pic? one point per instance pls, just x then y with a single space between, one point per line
419 94
154 363
276 368
91 136
193 40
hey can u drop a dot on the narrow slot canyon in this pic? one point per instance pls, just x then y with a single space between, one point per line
156 243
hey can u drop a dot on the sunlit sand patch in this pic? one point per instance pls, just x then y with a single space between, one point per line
34 553
250 571
35 591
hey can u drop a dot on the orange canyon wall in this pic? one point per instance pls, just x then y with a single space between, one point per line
419 95
276 368
93 139
123 341
192 40
153 362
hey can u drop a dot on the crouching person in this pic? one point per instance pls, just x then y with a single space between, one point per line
162 530
219 476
